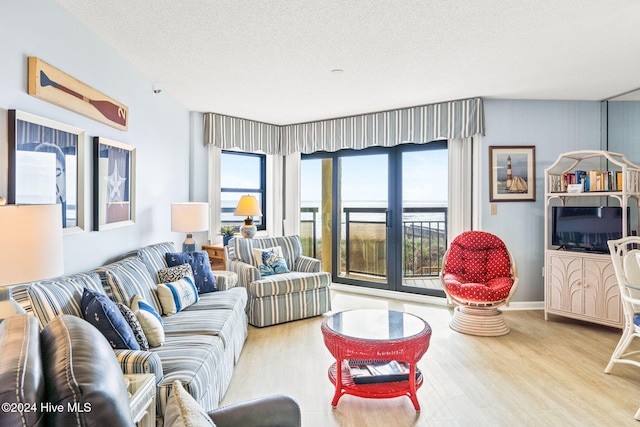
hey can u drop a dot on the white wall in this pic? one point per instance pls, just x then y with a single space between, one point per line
553 127
158 126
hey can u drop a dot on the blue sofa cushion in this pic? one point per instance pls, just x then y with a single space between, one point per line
103 313
199 261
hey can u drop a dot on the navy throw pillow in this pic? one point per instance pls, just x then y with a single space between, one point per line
199 262
105 315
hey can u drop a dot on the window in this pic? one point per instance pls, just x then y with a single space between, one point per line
242 173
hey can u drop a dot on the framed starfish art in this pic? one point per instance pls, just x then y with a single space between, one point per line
113 184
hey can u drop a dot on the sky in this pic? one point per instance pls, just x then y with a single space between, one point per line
365 178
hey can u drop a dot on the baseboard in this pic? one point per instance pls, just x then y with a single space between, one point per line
425 299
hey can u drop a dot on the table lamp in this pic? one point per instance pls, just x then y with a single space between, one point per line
189 218
30 249
248 205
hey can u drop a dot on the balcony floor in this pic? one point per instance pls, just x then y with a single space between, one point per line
425 282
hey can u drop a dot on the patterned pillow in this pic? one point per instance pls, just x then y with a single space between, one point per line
176 296
171 274
132 320
150 321
199 262
270 261
102 313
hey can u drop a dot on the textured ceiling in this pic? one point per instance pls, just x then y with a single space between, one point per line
272 61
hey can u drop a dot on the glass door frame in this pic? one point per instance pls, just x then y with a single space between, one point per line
394 220
395 240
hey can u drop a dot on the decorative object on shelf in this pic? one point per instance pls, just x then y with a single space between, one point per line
114 184
248 205
52 85
227 231
189 218
512 173
30 249
46 166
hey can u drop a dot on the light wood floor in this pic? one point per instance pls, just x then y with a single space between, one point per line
544 373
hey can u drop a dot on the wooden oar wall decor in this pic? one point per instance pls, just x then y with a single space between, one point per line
50 84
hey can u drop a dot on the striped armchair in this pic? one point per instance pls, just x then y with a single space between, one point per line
301 292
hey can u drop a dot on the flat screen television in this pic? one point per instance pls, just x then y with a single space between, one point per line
580 228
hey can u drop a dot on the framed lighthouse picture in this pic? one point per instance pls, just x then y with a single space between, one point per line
512 173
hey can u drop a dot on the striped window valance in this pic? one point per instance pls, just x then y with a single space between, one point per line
247 135
447 120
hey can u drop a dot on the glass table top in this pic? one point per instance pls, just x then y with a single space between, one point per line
376 324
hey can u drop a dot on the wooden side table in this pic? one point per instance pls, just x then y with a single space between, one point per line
216 256
142 399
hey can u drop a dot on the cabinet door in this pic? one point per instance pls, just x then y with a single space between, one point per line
564 285
601 294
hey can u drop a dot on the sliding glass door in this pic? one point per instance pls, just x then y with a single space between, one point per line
377 217
363 205
424 218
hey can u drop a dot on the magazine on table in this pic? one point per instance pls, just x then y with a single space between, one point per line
379 371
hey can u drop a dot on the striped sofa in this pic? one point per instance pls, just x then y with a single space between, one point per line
303 292
202 343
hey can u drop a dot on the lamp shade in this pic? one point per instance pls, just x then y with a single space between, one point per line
30 243
189 217
248 205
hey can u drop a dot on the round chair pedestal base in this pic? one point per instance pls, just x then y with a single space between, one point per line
484 322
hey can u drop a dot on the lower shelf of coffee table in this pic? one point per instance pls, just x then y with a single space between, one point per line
373 390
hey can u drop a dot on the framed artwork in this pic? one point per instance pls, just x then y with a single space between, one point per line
512 173
114 184
57 87
46 166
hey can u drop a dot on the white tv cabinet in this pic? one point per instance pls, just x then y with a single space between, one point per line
582 285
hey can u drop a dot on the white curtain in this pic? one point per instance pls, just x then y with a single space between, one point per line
215 154
463 185
275 194
291 222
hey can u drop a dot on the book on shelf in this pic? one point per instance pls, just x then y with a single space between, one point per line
592 180
379 371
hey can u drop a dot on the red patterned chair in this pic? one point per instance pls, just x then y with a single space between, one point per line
478 275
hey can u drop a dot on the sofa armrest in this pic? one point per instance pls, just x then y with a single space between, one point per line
278 410
305 264
140 362
247 273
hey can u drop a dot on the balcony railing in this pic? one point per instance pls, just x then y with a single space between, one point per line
364 244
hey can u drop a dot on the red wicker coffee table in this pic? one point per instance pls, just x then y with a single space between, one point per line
375 335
